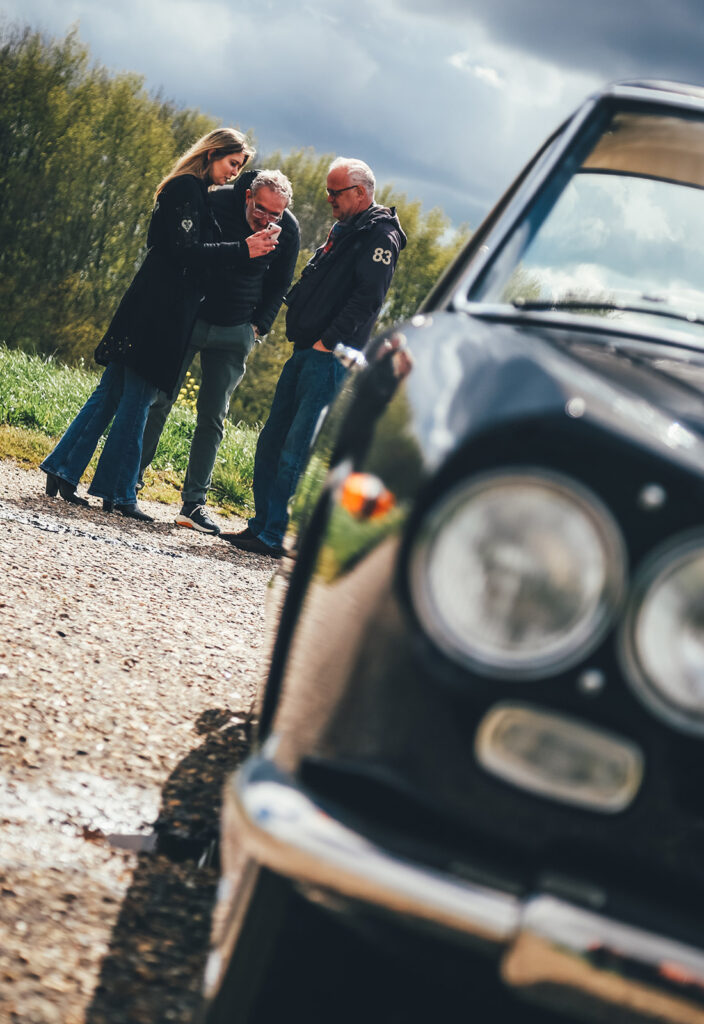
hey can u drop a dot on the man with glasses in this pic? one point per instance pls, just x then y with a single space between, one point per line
239 309
337 299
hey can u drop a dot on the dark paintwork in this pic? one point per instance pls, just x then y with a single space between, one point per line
368 713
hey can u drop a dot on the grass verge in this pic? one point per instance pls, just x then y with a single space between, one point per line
40 397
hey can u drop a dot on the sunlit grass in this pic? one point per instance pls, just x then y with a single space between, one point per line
24 445
39 398
40 394
234 465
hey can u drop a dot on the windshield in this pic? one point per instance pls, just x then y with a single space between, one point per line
624 238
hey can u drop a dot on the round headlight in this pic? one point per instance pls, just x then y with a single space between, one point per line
663 636
518 574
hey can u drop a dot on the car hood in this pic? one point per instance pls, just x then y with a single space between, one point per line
471 374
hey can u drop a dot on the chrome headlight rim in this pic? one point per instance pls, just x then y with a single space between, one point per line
613 590
662 562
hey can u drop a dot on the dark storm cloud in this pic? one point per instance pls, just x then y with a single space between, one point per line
611 38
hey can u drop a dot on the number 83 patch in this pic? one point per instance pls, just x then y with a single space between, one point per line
382 255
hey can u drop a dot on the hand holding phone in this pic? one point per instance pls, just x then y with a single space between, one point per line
263 242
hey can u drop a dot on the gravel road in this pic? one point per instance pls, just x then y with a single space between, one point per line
129 660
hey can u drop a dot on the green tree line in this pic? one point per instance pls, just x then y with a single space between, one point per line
81 152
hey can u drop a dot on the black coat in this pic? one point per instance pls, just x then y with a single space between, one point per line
253 294
342 288
153 323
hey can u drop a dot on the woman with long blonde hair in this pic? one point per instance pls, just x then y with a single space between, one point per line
144 346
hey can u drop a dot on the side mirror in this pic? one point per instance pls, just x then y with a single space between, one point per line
349 356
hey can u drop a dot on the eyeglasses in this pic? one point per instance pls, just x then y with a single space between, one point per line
335 192
274 218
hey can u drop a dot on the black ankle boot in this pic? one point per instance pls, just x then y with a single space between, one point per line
65 489
133 511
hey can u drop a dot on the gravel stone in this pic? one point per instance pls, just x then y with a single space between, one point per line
130 656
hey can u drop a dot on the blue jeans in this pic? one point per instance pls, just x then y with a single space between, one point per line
223 355
125 395
308 382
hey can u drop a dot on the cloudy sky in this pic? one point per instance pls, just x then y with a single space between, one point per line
445 98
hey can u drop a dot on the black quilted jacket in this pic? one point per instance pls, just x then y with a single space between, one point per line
254 293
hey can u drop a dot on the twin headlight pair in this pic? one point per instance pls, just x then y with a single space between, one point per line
519 575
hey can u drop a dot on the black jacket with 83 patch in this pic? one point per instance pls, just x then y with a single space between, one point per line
342 288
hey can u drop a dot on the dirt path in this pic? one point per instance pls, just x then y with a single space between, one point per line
129 659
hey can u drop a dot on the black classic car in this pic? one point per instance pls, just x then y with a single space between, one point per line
483 721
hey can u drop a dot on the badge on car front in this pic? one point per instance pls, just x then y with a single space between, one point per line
558 757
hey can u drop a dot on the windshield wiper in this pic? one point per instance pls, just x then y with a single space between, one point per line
606 307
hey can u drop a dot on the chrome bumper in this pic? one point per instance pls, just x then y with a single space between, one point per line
551 951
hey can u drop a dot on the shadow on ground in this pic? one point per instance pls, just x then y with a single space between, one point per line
154 967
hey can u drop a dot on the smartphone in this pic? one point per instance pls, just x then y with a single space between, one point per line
273 228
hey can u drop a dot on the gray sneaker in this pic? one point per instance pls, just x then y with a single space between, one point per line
196 518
